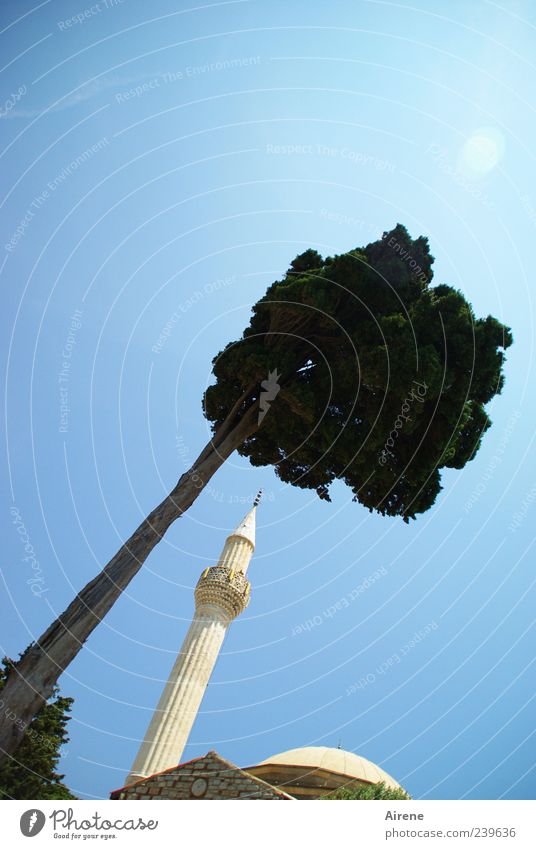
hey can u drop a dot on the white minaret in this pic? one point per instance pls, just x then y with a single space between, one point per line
222 592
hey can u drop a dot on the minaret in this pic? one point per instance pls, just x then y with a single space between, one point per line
221 594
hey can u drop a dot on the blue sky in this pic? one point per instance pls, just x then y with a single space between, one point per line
161 167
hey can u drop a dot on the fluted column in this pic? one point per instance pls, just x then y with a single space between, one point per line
179 703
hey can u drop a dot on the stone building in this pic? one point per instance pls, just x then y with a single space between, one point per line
221 594
208 777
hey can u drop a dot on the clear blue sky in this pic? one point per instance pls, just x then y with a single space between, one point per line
149 152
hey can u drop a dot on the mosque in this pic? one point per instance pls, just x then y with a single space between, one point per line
221 594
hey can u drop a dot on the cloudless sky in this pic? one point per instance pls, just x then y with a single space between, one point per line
162 164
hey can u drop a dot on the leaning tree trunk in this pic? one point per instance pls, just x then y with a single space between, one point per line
31 681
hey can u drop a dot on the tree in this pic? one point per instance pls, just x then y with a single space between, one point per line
32 774
353 368
368 791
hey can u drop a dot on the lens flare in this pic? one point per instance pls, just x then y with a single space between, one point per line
481 152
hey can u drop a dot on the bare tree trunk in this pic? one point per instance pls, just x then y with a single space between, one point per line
32 680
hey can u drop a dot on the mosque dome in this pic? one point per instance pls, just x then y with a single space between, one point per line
312 771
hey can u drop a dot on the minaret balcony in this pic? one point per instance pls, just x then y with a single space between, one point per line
225 588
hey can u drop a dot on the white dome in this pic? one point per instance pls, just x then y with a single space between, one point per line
334 760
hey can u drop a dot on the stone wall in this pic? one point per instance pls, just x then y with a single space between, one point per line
209 777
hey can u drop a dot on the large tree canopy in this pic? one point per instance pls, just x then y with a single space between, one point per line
372 376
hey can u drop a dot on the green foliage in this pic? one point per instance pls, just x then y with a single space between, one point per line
31 773
383 378
368 791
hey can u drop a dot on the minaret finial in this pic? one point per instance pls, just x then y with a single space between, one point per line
258 498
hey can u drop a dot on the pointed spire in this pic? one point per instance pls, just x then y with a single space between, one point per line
246 528
240 544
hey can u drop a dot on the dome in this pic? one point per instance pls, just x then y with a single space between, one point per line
311 771
334 760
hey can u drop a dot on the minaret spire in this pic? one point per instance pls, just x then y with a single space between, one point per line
221 594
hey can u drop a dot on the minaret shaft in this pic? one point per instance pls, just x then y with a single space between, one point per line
221 594
179 703
236 554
